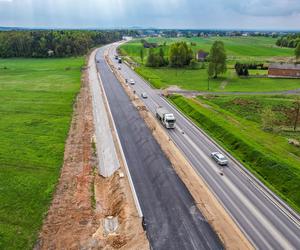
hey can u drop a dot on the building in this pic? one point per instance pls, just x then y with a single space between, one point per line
201 55
284 70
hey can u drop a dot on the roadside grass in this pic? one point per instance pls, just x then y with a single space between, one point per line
267 155
251 108
36 104
242 49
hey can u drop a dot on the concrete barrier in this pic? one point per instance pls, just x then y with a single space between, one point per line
108 161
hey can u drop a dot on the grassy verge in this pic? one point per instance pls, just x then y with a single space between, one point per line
36 104
268 156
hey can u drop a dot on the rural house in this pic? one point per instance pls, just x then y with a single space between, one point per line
201 55
284 70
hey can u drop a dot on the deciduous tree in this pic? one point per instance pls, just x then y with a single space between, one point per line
217 60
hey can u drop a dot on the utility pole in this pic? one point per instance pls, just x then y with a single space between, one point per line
208 83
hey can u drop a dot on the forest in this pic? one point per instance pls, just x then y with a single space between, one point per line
54 43
290 41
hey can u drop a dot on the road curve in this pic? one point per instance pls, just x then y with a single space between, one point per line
264 218
172 218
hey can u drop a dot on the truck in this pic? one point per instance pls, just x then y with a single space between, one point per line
166 118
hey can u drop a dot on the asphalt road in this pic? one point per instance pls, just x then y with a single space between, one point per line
173 221
265 219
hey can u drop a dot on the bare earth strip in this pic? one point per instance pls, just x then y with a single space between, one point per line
222 223
83 198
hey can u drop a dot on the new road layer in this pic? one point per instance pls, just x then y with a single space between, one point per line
171 216
265 219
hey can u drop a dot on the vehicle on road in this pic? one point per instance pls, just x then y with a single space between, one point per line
131 81
166 118
116 57
219 158
119 68
144 95
120 60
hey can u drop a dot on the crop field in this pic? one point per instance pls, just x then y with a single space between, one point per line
235 122
36 104
241 49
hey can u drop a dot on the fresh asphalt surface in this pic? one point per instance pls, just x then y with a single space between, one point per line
266 220
173 221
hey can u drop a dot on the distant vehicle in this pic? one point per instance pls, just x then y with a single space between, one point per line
144 95
116 57
120 60
131 81
219 158
119 68
97 61
166 118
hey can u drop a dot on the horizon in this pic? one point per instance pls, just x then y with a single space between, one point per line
150 28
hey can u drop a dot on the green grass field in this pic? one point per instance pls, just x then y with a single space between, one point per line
268 155
36 99
242 49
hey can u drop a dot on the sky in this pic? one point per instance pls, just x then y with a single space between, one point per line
179 14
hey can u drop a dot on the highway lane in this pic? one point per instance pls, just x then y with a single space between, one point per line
173 221
252 205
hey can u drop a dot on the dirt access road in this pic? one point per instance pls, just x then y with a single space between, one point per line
83 198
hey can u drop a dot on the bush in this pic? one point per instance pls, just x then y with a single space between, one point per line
194 64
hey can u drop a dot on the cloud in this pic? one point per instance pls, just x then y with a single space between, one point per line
266 7
153 13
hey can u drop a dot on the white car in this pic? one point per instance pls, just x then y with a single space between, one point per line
219 158
144 95
131 81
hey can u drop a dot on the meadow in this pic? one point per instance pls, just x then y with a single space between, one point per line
235 122
36 104
238 49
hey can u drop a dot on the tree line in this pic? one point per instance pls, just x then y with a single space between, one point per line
56 43
289 41
181 55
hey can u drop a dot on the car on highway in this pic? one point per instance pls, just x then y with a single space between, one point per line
219 158
131 81
119 68
144 95
116 57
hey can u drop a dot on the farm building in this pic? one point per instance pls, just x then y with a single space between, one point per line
284 70
201 55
